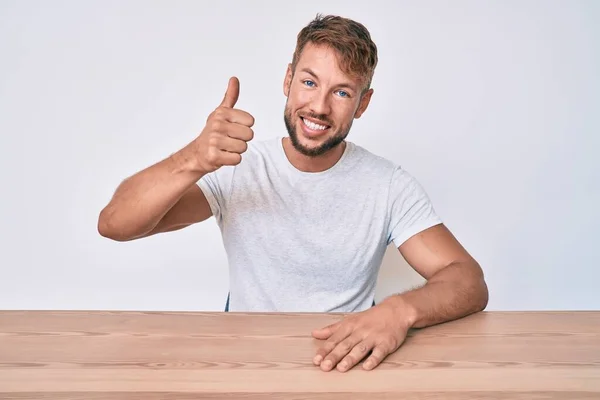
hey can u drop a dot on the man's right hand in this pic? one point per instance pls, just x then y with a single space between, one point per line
225 136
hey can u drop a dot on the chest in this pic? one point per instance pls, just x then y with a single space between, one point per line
317 226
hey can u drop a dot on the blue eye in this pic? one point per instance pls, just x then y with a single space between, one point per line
308 82
343 94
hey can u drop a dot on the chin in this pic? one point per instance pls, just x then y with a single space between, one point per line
312 145
313 142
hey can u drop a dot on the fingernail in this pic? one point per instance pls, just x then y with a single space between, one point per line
317 360
327 364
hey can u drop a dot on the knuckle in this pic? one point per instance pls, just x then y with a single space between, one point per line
211 157
212 116
382 351
391 343
216 125
219 113
386 345
213 141
346 346
362 348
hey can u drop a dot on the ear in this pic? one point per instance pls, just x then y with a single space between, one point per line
287 81
363 104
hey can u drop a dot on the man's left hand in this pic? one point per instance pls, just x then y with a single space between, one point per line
379 330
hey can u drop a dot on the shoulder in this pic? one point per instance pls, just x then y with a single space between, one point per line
372 163
389 172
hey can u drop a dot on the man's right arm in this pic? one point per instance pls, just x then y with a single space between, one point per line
165 197
160 198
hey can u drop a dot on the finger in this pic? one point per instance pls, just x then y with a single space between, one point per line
233 145
342 331
337 337
229 158
239 117
233 115
232 93
240 132
339 352
356 355
377 355
326 332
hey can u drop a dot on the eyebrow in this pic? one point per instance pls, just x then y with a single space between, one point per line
343 84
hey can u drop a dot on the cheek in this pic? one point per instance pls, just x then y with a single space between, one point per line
348 111
342 113
302 99
299 98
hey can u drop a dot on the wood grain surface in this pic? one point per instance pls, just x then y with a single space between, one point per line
183 355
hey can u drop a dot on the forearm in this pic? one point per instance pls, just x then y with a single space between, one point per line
454 292
141 200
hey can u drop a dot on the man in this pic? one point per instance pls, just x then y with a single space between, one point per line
306 219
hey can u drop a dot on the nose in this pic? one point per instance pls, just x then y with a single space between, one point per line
319 104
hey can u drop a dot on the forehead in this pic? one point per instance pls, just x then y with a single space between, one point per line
325 62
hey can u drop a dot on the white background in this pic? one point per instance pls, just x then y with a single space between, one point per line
494 106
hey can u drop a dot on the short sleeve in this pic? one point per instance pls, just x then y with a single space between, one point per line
409 207
216 187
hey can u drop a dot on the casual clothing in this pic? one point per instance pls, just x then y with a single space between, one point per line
311 242
227 303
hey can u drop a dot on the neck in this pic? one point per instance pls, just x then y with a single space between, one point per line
312 164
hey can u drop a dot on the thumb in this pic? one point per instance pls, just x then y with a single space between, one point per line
232 94
326 332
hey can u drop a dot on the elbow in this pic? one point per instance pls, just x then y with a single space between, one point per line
119 229
106 227
483 295
472 284
480 290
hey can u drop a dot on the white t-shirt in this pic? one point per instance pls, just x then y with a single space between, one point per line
311 242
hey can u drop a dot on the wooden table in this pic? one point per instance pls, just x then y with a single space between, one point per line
180 355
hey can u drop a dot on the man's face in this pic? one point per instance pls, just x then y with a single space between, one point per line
322 101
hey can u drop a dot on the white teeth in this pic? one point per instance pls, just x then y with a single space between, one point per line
314 126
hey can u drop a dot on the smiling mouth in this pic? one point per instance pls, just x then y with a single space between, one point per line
314 126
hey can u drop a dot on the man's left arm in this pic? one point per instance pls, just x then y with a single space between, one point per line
455 282
455 288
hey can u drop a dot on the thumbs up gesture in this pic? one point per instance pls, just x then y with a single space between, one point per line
227 131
